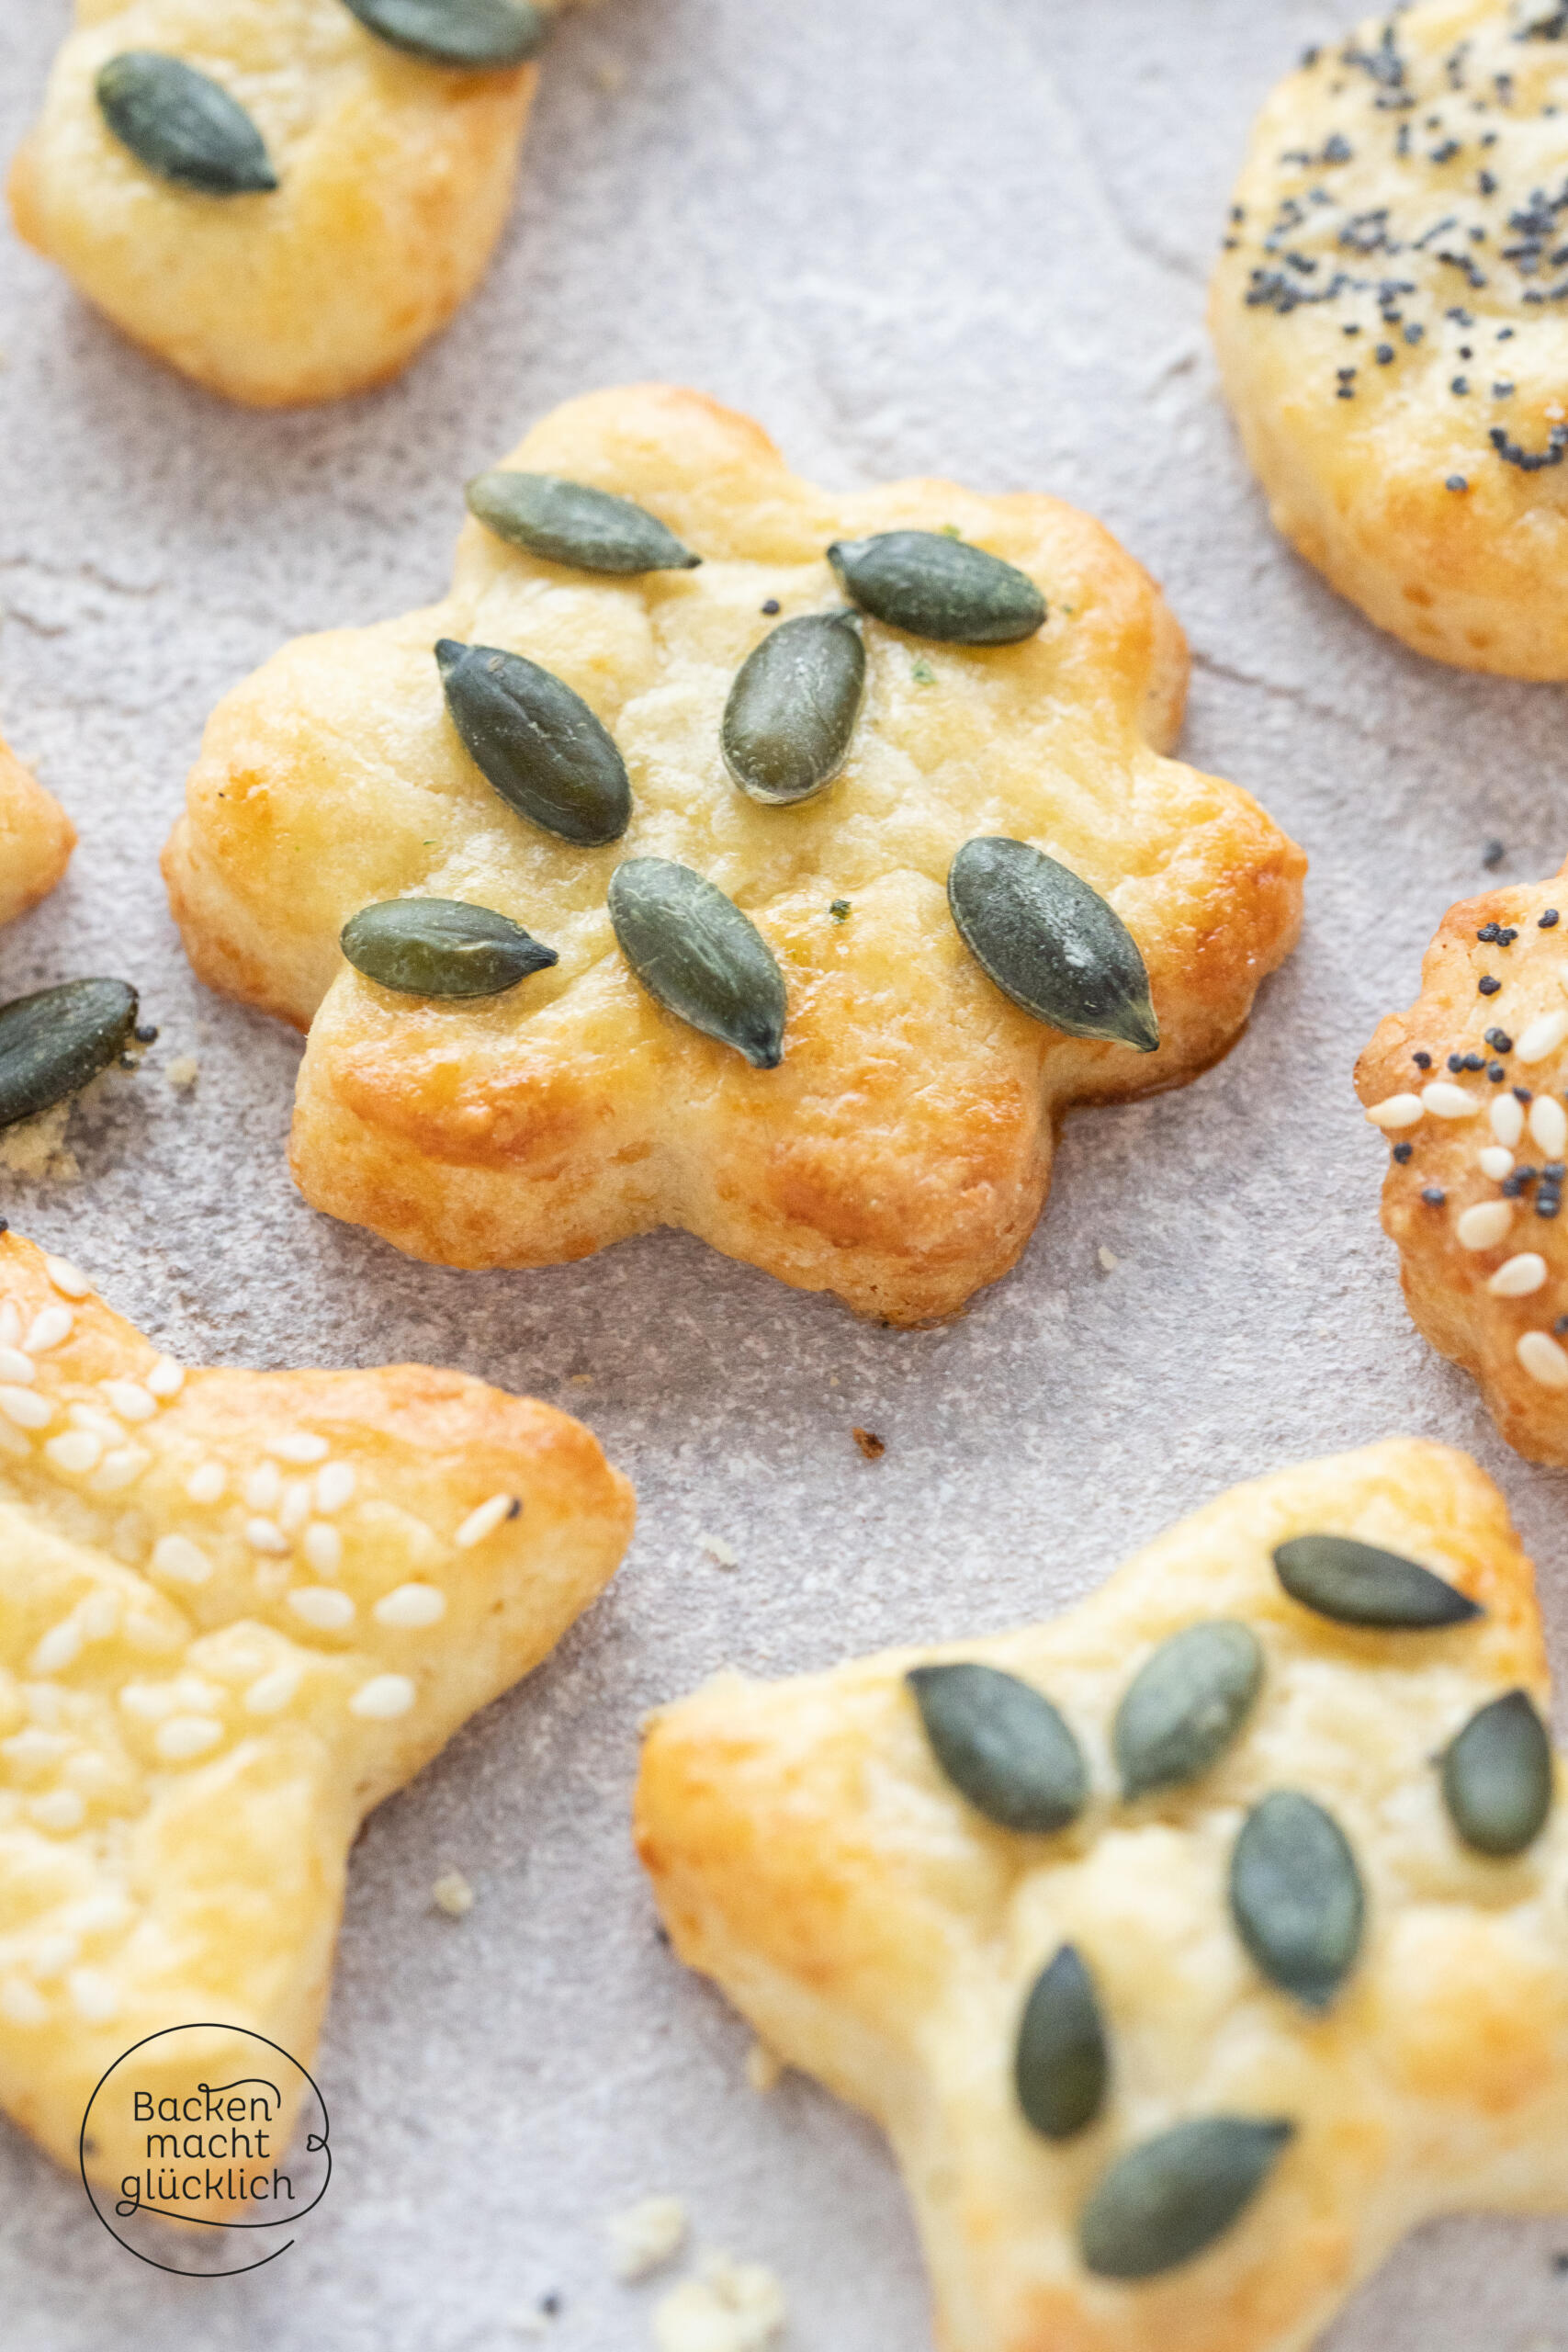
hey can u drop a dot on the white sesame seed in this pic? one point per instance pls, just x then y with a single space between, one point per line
102 1424
34 1747
1548 1126
10 1324
264 1487
46 1329
74 1451
266 1535
183 1736
1508 1119
59 1809
322 1606
335 1483
121 1468
1517 1277
207 1482
59 1648
298 1445
17 1368
67 1278
322 1547
167 1377
178 1557
1496 1162
1482 1226
1396 1111
271 1692
1542 1358
128 1399
1446 1101
295 1508
485 1521
28 1410
92 1995
99 1616
410 1605
383 1697
1543 1037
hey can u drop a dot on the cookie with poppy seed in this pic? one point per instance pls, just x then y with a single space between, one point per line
36 838
282 199
1172 2063
822 1078
1387 312
237 1610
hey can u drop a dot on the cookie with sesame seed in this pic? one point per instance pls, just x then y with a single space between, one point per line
237 1610
1470 1085
1388 312
36 838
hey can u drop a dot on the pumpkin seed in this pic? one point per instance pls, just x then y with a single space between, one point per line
938 587
442 948
793 708
699 956
183 125
536 742
1050 943
54 1042
1164 2202
567 521
1498 1775
1358 1585
1061 2062
1186 1706
457 32
1002 1744
1296 1896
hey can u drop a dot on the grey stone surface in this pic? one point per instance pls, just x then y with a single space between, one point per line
908 238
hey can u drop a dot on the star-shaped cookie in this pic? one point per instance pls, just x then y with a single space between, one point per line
1468 1086
237 1610
36 838
900 1153
1265 2018
300 234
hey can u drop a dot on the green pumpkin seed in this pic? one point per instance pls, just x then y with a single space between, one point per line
1002 1744
51 1044
1498 1776
938 587
1358 1585
567 521
1061 2062
1163 2203
536 742
699 956
792 710
1186 1706
1050 943
183 125
1296 1896
442 948
457 32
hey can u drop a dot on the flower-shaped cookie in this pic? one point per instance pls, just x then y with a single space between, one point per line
36 838
283 198
1388 312
1469 1086
236 1610
1188 1964
900 1153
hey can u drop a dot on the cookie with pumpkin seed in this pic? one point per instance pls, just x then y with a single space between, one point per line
1191 1949
1469 1085
36 838
237 1610
834 1073
282 199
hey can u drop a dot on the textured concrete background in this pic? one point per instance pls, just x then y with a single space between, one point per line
908 238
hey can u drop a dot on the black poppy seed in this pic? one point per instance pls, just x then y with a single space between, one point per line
1497 1073
1343 373
1548 1203
1488 184
1560 2262
1493 855
1488 930
1555 1170
1384 353
1521 1094
1502 391
551 2306
772 605
1508 935
146 1034
1309 59
1434 1196
1456 1063
1500 1041
1422 1061
1414 330
1487 985
1402 1152
1459 386
1474 1061
1512 1186
1457 482
1504 334
1547 921
1238 211
1346 392
5 1225
1465 352
1351 329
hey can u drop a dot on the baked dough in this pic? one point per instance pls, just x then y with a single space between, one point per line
36 838
876 1931
1389 313
1473 1186
394 180
186 1751
901 1154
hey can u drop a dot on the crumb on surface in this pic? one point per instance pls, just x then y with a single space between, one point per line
646 2236
35 1148
453 1894
1108 1259
580 1380
870 1444
764 2068
183 1071
729 2307
722 1554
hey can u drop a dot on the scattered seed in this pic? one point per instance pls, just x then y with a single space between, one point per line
475 33
1061 2061
54 1043
1296 1896
1164 2202
792 710
1002 1744
183 125
1052 944
536 742
1186 1706
568 522
699 956
1357 1584
1498 1775
938 588
442 948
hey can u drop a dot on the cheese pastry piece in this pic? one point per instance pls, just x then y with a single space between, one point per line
393 177
900 1153
36 838
237 1610
1469 1086
1388 312
811 1854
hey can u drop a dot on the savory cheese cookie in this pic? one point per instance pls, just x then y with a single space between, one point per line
900 1152
237 1610
1469 1085
1191 1949
36 838
1389 316
298 233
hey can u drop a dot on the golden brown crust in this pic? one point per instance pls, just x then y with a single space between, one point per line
1388 302
144 1885
901 1155
807 1854
36 838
